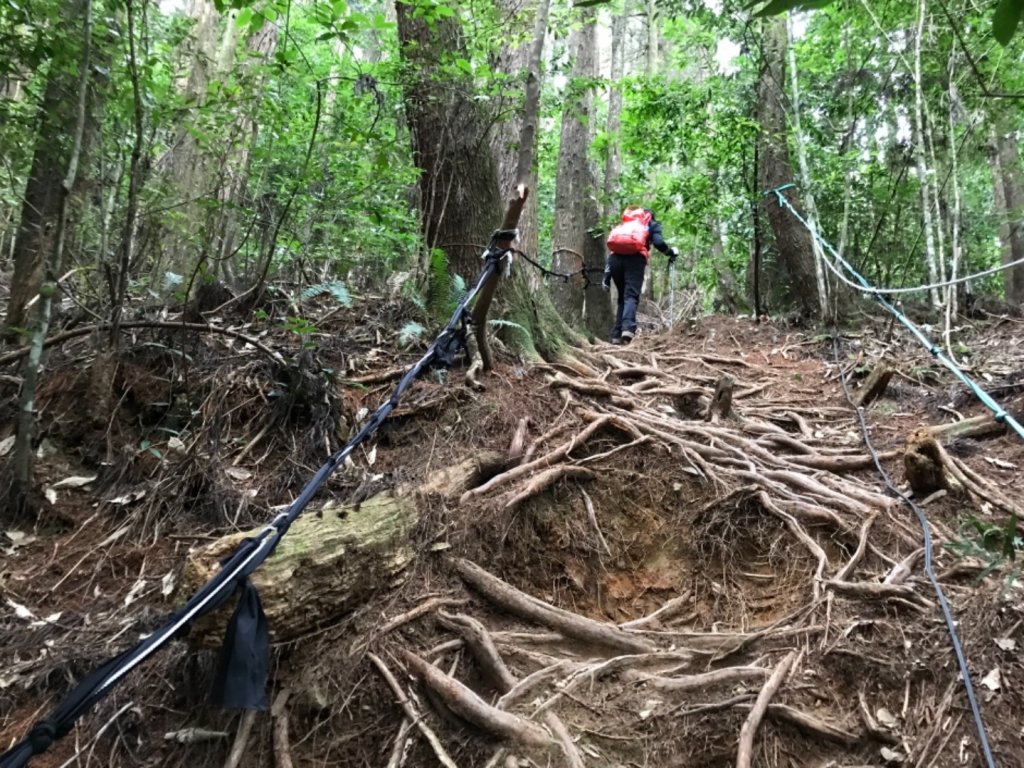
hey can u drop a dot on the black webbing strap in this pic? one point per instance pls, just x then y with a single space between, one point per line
245 653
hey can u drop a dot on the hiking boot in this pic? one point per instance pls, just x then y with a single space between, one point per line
627 336
617 341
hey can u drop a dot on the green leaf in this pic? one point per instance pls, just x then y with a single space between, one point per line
1005 20
244 17
588 3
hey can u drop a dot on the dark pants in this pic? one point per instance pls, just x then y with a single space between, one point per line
628 276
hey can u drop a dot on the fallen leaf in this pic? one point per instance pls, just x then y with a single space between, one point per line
167 583
74 482
176 445
892 756
6 444
885 717
238 473
48 620
1006 643
19 538
20 610
1000 463
134 592
129 497
51 496
992 680
371 457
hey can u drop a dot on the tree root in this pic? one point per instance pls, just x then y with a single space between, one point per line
745 752
410 712
569 624
545 480
471 708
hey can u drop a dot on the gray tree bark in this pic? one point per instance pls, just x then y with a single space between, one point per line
1008 161
44 194
794 278
569 234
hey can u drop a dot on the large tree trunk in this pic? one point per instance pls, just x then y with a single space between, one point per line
794 275
37 230
1011 231
613 161
570 227
928 212
458 185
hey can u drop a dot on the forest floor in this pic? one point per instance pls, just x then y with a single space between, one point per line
635 578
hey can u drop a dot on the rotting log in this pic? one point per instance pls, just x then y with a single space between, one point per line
333 559
875 384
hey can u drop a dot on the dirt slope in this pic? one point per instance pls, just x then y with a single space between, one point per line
696 562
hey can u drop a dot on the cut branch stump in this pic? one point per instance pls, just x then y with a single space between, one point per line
875 384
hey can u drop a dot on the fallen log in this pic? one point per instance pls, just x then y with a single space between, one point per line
332 559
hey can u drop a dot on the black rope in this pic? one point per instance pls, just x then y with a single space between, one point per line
563 276
947 612
245 654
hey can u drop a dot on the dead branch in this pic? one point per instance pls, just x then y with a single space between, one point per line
668 609
902 570
377 377
516 448
400 750
241 739
592 518
467 705
569 624
876 731
538 442
279 714
410 711
545 480
745 752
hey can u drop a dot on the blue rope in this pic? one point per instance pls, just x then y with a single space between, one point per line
947 613
998 411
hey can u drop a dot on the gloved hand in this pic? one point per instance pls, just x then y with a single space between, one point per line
606 283
673 254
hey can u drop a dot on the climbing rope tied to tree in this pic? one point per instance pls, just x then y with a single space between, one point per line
246 649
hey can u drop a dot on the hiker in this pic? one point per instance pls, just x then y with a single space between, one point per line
629 243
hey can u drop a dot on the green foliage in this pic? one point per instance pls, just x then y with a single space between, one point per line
995 546
335 289
409 333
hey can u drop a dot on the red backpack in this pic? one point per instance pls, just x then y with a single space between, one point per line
630 237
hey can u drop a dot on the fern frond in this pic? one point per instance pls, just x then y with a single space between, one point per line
337 290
